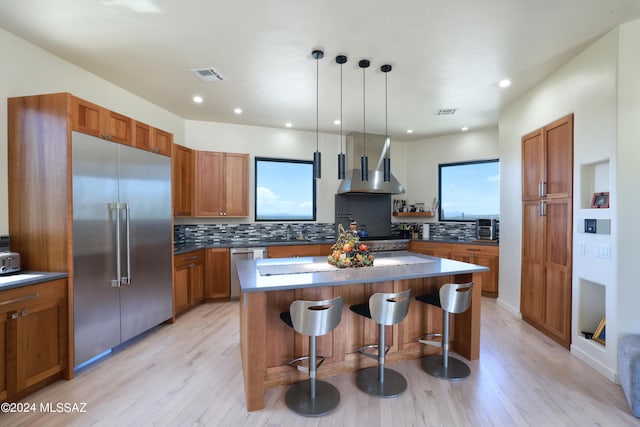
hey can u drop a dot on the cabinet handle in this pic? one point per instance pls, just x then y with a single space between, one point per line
191 257
474 250
544 189
542 209
24 298
24 313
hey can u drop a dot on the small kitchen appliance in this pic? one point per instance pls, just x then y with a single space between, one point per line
485 229
9 262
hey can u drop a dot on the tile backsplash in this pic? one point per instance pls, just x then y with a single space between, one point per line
200 233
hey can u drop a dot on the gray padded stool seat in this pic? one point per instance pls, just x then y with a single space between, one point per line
629 370
385 310
451 298
312 397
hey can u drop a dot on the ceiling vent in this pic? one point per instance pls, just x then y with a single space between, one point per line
207 75
446 111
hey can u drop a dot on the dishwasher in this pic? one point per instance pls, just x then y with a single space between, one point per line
239 254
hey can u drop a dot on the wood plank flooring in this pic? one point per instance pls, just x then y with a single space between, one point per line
189 374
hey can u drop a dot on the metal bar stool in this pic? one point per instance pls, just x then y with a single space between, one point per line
385 310
452 298
312 398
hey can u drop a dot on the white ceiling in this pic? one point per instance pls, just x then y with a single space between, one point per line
445 54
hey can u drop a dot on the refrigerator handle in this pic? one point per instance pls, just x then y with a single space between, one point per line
116 207
127 280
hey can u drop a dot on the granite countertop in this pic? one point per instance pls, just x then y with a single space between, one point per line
182 248
292 277
462 242
26 278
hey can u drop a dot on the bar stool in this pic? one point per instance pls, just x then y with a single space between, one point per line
312 398
452 298
385 310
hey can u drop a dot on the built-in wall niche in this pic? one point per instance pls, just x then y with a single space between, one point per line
592 305
594 178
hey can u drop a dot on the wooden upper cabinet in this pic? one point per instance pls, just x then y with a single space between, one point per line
558 137
161 141
221 184
151 139
547 161
94 120
183 166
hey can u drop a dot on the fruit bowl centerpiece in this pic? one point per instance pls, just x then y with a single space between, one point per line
348 251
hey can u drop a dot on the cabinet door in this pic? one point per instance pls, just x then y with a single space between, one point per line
557 269
142 136
532 165
196 283
209 184
217 282
558 138
39 349
161 142
236 188
289 251
117 128
182 181
532 275
489 278
86 117
181 289
4 324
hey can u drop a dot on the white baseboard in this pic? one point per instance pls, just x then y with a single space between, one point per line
595 364
509 308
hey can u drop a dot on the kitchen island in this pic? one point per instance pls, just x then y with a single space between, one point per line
268 286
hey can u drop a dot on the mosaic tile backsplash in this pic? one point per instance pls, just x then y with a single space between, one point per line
220 233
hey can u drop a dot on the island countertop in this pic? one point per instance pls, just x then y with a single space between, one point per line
310 272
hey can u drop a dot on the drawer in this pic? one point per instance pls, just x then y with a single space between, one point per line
195 257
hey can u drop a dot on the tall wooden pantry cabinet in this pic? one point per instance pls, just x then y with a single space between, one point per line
547 220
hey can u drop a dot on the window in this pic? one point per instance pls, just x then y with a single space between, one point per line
285 190
469 190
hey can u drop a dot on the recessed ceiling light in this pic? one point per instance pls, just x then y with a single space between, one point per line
336 122
198 99
505 83
238 110
409 130
288 124
464 129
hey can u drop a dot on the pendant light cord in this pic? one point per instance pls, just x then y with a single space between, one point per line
340 108
317 100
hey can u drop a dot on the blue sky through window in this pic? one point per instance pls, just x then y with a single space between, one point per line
469 190
285 190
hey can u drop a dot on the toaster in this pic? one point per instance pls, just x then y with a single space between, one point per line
9 262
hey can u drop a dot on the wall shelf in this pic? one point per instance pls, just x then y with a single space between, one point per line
414 214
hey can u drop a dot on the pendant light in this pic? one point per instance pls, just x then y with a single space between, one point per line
387 141
364 160
341 59
317 157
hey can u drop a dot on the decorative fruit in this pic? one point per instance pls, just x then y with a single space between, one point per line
347 247
363 247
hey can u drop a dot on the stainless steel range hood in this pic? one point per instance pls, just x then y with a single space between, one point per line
376 148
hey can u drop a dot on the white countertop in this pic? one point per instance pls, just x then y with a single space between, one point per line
385 268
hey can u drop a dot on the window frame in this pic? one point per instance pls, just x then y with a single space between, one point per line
255 189
470 162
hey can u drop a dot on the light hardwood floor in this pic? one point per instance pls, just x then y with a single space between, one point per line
189 374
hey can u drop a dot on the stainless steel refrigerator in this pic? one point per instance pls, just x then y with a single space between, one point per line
121 243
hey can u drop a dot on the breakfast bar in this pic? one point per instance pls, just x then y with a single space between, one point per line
268 286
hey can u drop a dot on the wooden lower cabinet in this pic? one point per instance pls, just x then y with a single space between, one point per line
288 251
33 338
485 255
217 282
188 281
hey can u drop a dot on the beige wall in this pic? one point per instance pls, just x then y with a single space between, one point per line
29 70
420 173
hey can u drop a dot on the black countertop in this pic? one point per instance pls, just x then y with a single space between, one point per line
182 248
26 278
